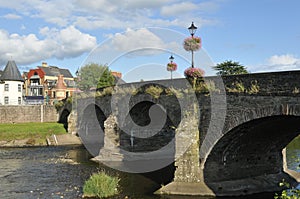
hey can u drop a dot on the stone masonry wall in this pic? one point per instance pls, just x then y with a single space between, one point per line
30 113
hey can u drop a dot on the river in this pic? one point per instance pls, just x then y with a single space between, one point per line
60 172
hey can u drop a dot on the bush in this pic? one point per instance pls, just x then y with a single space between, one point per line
58 105
290 193
101 185
154 91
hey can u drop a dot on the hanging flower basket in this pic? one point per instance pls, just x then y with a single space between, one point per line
171 66
192 43
193 72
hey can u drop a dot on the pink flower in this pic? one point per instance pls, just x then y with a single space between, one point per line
171 66
194 72
192 43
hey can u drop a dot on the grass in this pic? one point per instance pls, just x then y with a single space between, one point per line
101 185
32 131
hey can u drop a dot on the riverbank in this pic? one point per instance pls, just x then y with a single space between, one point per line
61 140
35 134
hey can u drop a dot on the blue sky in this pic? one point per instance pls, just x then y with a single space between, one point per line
136 37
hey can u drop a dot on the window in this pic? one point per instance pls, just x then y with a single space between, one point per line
19 100
19 88
54 94
6 100
6 87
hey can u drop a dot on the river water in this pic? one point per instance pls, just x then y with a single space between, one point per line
60 172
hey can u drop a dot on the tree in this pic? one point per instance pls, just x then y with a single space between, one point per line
94 75
106 79
230 68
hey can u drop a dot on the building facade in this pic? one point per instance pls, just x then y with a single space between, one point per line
48 83
11 85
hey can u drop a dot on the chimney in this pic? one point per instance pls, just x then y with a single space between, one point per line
44 64
60 82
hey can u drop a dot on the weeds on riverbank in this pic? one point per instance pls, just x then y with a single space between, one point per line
101 185
32 131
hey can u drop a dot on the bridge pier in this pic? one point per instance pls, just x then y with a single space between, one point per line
188 177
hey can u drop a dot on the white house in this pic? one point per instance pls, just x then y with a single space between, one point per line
11 85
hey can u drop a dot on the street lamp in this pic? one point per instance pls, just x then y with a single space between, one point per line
192 29
171 58
172 66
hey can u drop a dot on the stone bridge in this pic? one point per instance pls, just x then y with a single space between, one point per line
226 139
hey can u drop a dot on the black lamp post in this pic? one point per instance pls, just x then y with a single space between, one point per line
171 58
192 30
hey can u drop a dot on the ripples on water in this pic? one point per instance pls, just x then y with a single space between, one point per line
60 172
43 172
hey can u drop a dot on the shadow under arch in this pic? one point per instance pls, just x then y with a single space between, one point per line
91 128
158 138
63 118
248 159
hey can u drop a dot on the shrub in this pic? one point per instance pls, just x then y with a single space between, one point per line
101 185
237 87
290 193
58 105
173 91
254 89
154 91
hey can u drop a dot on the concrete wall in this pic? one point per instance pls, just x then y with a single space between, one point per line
28 113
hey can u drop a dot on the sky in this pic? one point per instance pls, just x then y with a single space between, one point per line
136 37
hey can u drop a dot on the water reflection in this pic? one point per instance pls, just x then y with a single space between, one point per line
293 154
60 172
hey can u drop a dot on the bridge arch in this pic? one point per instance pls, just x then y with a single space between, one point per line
249 156
160 133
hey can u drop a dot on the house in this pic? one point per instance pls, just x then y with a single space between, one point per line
11 85
48 84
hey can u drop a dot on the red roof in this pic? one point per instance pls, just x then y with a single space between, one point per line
38 71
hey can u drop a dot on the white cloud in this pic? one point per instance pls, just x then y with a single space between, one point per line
189 7
279 60
283 62
106 14
74 43
179 8
26 49
12 16
136 39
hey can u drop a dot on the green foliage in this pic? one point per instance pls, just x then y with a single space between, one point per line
21 131
58 105
154 91
106 79
237 87
106 91
289 193
101 185
230 68
174 91
254 89
94 75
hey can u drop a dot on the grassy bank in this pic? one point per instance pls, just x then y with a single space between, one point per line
36 132
101 185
